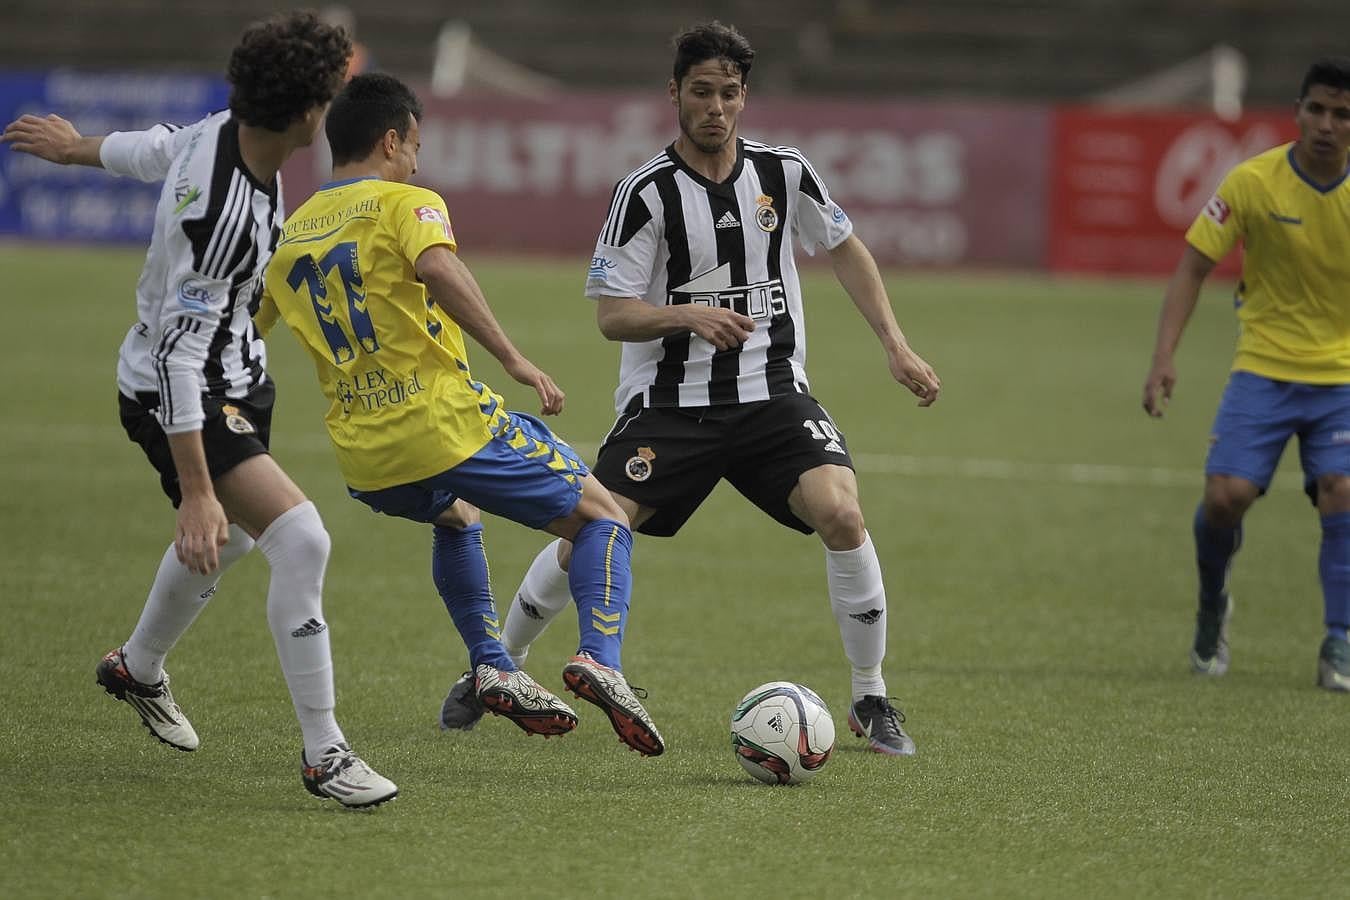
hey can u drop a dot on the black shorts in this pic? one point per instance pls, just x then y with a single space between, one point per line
233 431
670 459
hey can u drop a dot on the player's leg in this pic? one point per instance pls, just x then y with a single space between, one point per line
528 475
176 598
1325 454
599 570
543 593
134 672
658 466
826 498
1217 530
1255 420
288 530
460 570
806 481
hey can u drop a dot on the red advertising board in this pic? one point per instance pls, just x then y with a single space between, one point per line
1126 186
925 184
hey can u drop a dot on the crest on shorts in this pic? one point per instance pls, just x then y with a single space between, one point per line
766 217
639 467
235 421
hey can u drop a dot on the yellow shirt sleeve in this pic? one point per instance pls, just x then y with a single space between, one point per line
1223 220
421 221
267 314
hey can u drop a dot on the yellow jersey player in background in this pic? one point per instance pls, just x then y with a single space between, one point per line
366 277
1291 208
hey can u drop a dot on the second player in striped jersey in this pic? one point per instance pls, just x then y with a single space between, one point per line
193 391
694 273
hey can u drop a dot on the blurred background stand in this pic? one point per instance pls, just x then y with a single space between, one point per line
462 63
1216 79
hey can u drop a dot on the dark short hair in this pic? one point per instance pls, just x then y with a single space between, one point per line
712 40
364 112
1332 71
283 67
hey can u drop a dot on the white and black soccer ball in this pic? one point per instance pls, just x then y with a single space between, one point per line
782 733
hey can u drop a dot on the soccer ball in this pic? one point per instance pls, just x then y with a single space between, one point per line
782 733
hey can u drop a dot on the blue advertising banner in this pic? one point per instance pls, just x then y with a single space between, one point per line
44 201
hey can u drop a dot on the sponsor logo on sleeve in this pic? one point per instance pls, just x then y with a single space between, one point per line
600 267
1217 210
837 213
432 214
194 295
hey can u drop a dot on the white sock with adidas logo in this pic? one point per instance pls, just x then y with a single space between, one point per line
296 546
858 600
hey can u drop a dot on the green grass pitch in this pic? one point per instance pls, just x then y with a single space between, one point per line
1034 527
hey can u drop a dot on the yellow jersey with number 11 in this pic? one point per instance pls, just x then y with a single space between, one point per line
402 403
1293 302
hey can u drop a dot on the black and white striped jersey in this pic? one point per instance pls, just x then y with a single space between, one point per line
215 229
672 236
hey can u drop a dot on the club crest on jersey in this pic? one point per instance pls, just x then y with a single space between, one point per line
432 214
235 421
1217 210
766 217
639 467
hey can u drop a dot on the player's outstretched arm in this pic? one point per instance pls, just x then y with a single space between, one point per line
630 319
54 139
858 274
454 289
1178 303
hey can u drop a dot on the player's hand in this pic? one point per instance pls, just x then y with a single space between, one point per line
1162 377
551 397
908 368
202 530
725 329
48 137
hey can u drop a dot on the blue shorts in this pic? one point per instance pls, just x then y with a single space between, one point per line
1259 415
525 474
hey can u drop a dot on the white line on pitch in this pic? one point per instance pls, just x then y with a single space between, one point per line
52 436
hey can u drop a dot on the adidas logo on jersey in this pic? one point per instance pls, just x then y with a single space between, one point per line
727 221
833 447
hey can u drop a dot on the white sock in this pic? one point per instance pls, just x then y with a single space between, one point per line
176 599
296 546
542 594
858 599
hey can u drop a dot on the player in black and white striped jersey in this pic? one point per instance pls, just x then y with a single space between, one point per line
694 272
192 387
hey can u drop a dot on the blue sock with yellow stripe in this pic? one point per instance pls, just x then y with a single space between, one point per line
460 570
601 582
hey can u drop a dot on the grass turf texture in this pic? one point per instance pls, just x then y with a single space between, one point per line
1040 617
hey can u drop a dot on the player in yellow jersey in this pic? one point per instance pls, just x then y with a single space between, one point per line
366 277
1290 207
